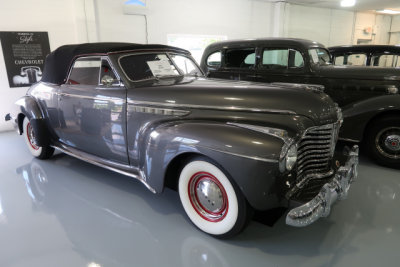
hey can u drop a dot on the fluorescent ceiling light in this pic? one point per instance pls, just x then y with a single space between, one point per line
388 11
347 3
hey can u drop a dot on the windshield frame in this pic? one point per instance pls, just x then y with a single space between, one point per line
168 54
319 63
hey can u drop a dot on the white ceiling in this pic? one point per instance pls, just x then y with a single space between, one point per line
361 5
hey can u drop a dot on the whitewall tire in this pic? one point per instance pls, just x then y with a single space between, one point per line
29 136
214 204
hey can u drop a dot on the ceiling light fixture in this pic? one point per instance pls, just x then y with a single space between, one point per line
388 11
347 3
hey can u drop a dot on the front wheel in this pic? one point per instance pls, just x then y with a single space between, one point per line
41 152
212 202
383 141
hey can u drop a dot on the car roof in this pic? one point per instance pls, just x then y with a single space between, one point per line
58 62
364 48
305 44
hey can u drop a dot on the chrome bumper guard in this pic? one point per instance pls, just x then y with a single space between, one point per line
337 189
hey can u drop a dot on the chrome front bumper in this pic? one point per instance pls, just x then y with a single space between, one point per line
337 189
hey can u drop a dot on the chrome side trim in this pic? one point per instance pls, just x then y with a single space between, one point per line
104 98
157 111
244 156
112 166
229 108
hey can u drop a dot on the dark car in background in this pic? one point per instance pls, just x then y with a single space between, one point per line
229 148
366 55
369 97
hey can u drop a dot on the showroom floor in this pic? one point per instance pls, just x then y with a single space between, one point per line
65 212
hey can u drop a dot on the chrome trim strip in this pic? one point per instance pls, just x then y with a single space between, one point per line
157 111
112 166
229 108
113 99
243 156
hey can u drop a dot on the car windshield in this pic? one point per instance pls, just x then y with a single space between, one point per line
320 56
158 65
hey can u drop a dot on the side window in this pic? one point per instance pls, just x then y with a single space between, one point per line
356 59
339 60
85 71
295 59
275 58
107 75
386 60
186 66
240 58
214 60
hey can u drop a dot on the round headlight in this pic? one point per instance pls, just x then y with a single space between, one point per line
291 157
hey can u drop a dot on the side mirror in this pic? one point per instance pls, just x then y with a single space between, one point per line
107 80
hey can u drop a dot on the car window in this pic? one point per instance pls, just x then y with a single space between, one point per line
240 58
352 59
85 71
214 60
386 60
320 56
157 65
275 58
185 65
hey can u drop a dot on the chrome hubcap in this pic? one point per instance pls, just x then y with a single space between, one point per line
392 142
387 142
31 136
208 197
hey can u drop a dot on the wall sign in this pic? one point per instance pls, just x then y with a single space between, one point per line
24 54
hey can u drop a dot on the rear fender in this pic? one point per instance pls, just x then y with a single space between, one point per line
27 106
358 115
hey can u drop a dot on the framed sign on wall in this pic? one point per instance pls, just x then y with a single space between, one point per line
24 54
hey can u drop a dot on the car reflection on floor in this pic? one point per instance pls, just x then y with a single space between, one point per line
112 220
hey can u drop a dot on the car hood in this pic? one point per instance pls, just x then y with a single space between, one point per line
239 96
359 72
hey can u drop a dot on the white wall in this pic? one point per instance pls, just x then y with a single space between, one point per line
233 18
335 27
327 26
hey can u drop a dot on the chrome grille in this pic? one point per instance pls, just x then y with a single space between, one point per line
315 150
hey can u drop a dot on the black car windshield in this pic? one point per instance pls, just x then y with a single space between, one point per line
158 65
320 56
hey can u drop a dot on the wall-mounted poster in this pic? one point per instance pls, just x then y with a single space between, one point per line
24 54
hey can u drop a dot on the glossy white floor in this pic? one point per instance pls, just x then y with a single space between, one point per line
64 212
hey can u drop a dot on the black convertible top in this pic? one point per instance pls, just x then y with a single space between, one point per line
58 62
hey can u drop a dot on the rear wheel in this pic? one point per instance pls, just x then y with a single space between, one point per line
383 141
211 201
41 152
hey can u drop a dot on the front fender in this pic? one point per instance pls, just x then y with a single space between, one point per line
357 116
249 157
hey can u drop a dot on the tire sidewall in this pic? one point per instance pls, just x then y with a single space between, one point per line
35 152
371 148
230 220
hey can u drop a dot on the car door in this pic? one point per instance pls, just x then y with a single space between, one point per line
281 64
93 108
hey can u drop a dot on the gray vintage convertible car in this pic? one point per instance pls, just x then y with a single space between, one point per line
228 147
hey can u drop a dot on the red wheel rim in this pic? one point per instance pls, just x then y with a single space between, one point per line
205 191
30 135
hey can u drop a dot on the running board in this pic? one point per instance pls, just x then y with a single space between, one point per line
106 164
